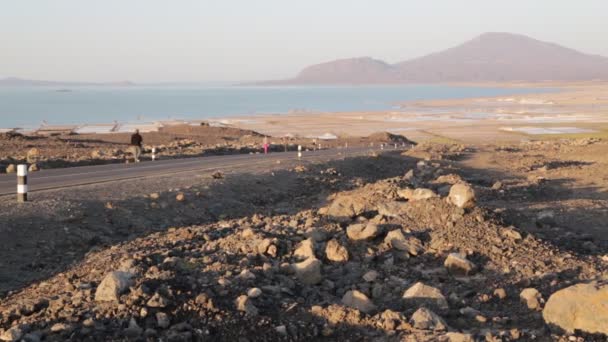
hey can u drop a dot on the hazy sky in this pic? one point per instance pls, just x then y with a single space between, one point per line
234 40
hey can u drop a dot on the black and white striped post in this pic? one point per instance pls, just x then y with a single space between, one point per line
153 153
22 183
299 152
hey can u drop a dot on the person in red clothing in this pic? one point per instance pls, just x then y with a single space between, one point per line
265 145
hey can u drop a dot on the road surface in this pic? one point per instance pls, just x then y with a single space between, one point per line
84 175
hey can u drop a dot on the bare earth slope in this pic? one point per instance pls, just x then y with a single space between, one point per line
284 256
491 57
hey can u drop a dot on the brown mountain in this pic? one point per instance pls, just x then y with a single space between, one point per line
491 57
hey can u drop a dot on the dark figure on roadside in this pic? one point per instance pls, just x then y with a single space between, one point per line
136 141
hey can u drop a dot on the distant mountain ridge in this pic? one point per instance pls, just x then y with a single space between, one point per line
490 57
18 82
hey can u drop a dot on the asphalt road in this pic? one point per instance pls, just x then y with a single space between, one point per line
84 175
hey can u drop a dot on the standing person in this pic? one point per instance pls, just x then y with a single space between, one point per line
265 145
136 141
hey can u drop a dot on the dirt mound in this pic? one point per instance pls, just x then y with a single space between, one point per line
387 137
270 277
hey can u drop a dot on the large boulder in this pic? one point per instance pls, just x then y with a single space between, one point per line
580 307
423 295
462 195
112 286
359 301
362 231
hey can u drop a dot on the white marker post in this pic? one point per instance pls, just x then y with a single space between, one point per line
345 145
22 183
395 146
153 153
299 152
382 146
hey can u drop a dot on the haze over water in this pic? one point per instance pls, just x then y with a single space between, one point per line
28 107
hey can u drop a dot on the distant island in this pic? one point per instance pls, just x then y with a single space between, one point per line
490 57
20 82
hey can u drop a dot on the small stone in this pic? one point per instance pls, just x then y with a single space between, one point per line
157 301
458 265
246 275
370 276
162 320
33 168
133 330
531 297
462 195
11 168
60 327
417 194
308 271
426 319
281 329
336 252
458 337
254 292
398 241
180 197
362 231
154 196
500 293
423 295
112 286
359 301
306 249
243 303
13 334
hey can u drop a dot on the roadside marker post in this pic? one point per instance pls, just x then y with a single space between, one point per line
153 153
382 146
395 146
22 183
299 151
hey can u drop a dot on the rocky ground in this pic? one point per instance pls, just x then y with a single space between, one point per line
170 142
442 243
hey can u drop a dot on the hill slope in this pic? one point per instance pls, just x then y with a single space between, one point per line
491 57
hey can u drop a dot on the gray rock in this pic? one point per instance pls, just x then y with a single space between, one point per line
244 304
306 249
426 319
345 207
462 195
162 320
531 297
397 240
458 265
423 295
112 286
392 209
359 301
416 194
13 334
334 251
308 271
362 231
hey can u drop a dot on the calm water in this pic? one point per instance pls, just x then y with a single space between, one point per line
29 106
